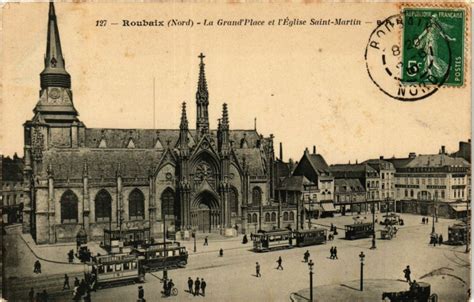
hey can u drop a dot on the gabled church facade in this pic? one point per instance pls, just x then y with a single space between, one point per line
78 177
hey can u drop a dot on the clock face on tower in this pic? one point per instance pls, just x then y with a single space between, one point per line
54 93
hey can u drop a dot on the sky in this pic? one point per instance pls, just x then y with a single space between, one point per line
306 85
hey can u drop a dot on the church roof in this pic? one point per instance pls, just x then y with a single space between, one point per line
101 163
147 138
253 160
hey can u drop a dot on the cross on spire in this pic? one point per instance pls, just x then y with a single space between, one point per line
202 56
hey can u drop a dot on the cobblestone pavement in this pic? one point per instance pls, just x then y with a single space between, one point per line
231 278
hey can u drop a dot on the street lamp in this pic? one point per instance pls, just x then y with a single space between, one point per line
310 265
373 226
194 236
361 256
433 220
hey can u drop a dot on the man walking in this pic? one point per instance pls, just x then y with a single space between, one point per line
332 252
306 256
205 241
141 294
279 261
66 282
257 269
203 287
407 273
335 253
190 285
197 285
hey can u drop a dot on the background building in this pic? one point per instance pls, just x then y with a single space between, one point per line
12 189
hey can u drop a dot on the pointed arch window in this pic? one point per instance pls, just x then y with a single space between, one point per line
234 200
256 196
136 205
254 218
167 202
103 206
69 205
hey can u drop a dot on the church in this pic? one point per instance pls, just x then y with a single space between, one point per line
80 178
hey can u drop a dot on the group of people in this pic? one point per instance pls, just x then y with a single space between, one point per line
436 239
333 252
167 287
197 287
82 289
424 220
40 296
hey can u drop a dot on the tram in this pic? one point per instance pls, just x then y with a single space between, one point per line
269 240
158 257
310 237
457 234
358 230
117 269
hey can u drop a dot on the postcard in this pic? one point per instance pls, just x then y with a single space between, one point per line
236 151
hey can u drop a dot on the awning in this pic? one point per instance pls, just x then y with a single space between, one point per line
459 207
313 207
328 207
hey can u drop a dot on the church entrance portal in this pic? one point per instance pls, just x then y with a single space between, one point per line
205 213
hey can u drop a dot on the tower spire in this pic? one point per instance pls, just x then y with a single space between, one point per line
202 100
225 117
54 73
184 119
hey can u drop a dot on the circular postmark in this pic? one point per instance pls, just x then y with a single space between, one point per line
406 68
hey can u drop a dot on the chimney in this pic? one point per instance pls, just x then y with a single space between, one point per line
314 149
381 157
281 151
412 155
443 149
306 151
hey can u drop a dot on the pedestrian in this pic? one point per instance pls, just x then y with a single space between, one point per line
203 287
170 287
165 286
245 240
221 252
331 251
426 220
205 241
257 269
66 282
31 294
332 227
197 286
407 273
435 239
306 256
279 261
35 267
141 294
423 220
76 281
440 239
190 285
335 253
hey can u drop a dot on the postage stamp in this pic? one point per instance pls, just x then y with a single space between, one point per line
433 46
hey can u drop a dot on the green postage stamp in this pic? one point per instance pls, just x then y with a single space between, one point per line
433 46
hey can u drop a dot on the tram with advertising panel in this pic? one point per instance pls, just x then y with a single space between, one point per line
457 234
117 269
265 241
310 237
158 256
359 230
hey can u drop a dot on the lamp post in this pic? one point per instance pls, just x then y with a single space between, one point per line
433 219
361 256
468 225
194 237
373 227
310 265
